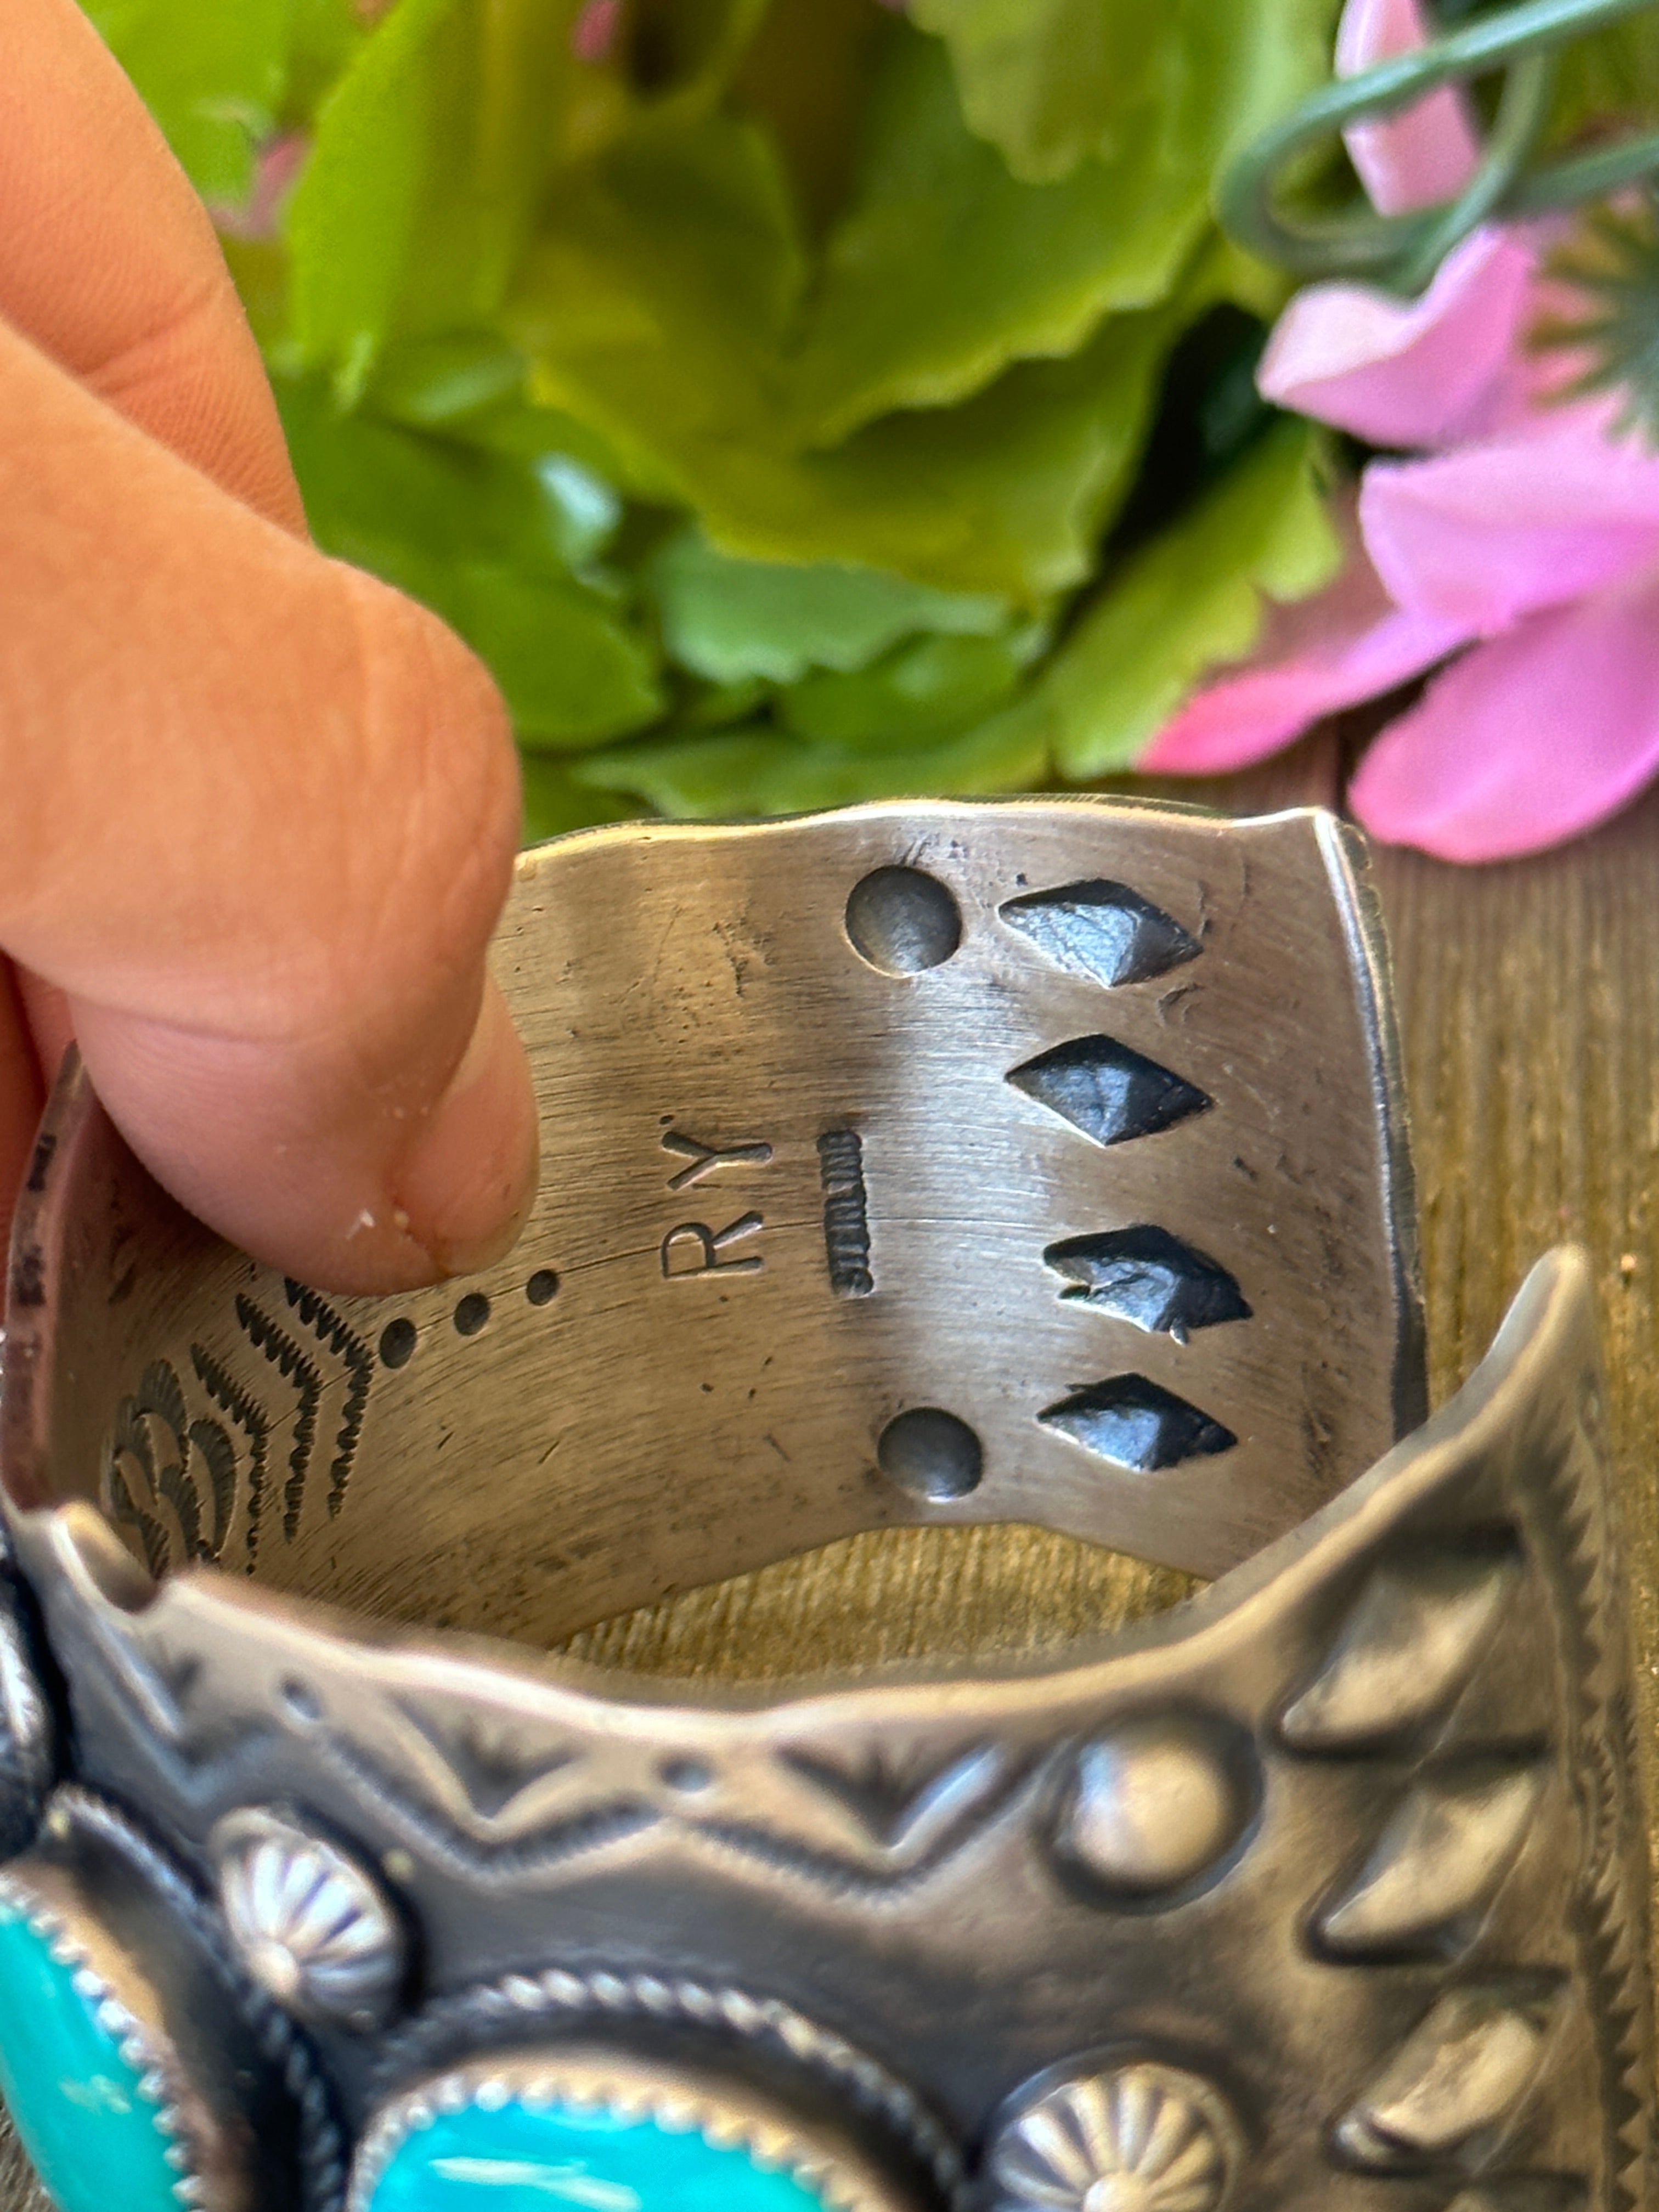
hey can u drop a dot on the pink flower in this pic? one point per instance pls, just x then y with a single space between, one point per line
278 164
1525 541
593 34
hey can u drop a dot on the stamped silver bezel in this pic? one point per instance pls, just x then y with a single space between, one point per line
727 2115
108 1985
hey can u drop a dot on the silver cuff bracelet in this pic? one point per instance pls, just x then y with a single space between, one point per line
1038 1162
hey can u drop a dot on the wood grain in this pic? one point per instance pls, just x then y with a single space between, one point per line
1531 1008
1530 1003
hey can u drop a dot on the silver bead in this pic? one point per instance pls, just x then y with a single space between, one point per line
1152 1806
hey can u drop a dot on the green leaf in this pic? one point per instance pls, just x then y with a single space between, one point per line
439 137
570 672
921 692
522 432
258 267
657 297
1007 492
1052 84
727 619
807 76
654 309
1189 599
1245 66
722 705
213 77
588 513
326 34
441 379
1044 80
763 772
947 267
376 493
1610 77
686 50
352 217
482 538
553 804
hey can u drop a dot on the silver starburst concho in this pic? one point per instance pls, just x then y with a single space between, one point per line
310 1924
1134 2138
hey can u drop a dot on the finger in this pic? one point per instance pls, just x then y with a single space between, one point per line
108 261
47 1011
22 1095
260 815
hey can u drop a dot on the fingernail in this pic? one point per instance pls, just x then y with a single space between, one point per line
467 1184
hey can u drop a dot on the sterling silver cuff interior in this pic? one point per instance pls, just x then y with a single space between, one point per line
1039 1162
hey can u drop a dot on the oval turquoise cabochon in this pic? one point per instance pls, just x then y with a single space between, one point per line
86 2120
519 2157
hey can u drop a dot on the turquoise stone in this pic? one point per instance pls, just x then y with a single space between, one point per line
84 2119
522 2158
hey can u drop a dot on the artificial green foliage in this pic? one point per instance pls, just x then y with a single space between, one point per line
217 92
1606 327
791 400
486 540
761 772
1190 598
1005 494
222 81
323 36
728 619
1051 83
429 162
1606 80
1047 82
555 802
927 687
945 266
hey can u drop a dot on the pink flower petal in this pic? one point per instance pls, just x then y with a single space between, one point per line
1345 644
1419 158
1422 372
1484 536
1527 740
593 34
279 163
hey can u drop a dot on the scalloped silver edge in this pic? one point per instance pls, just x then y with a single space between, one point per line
283 2045
561 1991
158 2080
622 2088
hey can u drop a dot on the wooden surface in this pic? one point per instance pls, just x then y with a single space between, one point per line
1529 1003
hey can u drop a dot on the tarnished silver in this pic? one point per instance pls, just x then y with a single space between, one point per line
1103 1179
246 2123
725 2113
29 1727
309 1924
1153 2138
1033 1162
194 2136
806 2067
